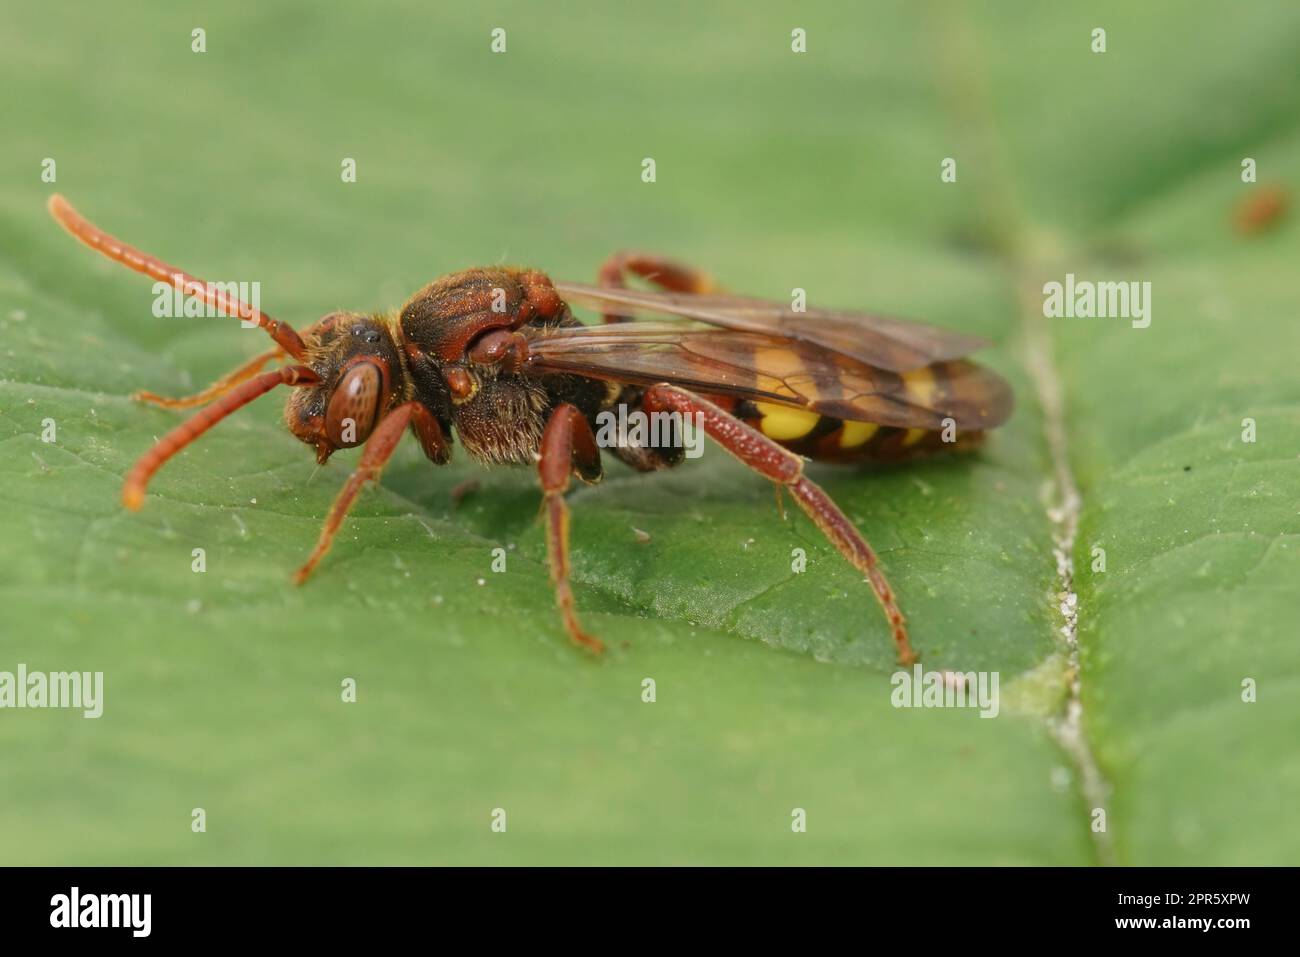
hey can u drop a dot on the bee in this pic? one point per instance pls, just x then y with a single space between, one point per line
495 357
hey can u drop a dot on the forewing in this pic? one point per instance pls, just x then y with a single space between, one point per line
769 368
879 341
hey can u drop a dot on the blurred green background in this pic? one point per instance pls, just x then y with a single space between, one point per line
775 170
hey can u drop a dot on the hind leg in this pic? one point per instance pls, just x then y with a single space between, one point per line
659 270
778 464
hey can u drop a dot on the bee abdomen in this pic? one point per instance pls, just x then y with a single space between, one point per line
828 439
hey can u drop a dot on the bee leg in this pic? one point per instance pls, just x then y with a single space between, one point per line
652 457
662 272
770 460
568 446
378 449
137 480
218 388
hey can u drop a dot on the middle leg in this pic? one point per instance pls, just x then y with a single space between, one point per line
568 446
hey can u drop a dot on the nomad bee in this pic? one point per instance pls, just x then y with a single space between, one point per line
495 356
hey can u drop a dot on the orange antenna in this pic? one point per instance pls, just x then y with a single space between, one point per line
130 257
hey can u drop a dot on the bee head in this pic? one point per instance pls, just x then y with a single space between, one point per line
361 373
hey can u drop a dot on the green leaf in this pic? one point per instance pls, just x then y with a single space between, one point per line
773 688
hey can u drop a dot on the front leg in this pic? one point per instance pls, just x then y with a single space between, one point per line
770 460
568 446
219 388
378 449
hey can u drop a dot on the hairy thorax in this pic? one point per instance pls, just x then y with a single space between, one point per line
502 420
498 414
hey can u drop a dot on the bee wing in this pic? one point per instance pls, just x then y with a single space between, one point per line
879 341
768 368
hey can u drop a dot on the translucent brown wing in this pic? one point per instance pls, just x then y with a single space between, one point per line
770 368
876 340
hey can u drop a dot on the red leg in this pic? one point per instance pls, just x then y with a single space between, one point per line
189 430
429 433
664 273
156 269
567 446
780 465
379 448
218 388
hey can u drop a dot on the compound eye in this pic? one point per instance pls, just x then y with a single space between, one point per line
354 406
